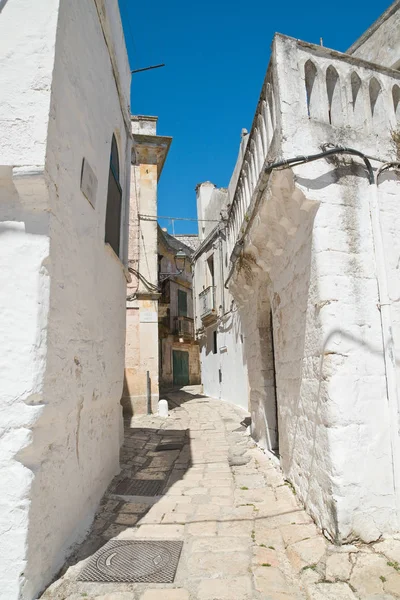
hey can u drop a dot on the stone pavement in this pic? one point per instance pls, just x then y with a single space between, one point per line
245 536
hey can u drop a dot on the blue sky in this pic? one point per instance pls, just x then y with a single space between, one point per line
216 54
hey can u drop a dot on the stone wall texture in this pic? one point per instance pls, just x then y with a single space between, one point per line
64 350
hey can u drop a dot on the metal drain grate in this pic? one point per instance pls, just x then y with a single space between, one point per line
134 561
139 487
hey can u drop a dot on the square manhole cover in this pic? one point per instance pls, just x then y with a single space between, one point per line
139 487
131 561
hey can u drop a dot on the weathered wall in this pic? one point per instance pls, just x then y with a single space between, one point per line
229 359
70 322
311 233
25 79
142 350
380 44
169 344
224 374
24 248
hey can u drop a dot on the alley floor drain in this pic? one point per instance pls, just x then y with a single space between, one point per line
139 487
135 561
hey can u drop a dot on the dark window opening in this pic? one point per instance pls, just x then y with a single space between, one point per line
182 304
215 347
114 201
210 264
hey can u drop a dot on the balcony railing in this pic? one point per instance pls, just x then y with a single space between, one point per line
207 302
184 327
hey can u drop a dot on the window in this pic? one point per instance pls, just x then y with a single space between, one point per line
114 201
215 346
210 271
182 304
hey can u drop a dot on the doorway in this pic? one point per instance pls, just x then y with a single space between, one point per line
180 366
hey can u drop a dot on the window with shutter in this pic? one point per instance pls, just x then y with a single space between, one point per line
114 201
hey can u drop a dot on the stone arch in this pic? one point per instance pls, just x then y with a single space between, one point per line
357 99
253 162
396 101
264 139
335 111
267 120
376 100
259 150
311 82
271 104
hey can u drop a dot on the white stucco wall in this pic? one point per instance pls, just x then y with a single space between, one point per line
64 302
380 44
346 391
229 359
312 238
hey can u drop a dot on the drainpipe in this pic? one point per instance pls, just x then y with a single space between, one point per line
387 332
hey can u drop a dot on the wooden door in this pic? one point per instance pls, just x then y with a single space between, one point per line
180 365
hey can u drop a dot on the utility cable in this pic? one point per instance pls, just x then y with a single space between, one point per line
156 217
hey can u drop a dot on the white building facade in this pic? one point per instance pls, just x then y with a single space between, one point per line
65 149
309 247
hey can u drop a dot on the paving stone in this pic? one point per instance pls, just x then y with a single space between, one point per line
165 594
166 532
112 596
268 537
230 534
221 544
265 556
296 533
392 584
390 548
237 588
331 591
199 529
236 528
202 565
338 567
305 553
250 481
269 580
367 573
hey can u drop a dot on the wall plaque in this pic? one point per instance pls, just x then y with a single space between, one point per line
148 316
88 183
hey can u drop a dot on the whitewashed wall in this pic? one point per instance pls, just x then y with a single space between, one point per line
64 355
228 363
25 80
312 237
380 44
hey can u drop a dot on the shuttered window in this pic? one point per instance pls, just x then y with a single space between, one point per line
182 304
114 201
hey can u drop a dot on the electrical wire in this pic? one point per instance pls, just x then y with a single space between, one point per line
293 162
156 217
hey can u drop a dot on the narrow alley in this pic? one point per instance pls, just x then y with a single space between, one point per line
219 512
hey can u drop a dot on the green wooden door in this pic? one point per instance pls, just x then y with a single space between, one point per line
180 365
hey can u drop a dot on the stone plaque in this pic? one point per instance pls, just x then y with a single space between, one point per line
148 316
88 182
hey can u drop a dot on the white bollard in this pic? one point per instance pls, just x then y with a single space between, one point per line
162 408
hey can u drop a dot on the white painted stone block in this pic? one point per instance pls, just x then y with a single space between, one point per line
163 408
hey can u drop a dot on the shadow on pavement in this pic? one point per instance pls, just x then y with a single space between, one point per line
151 460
